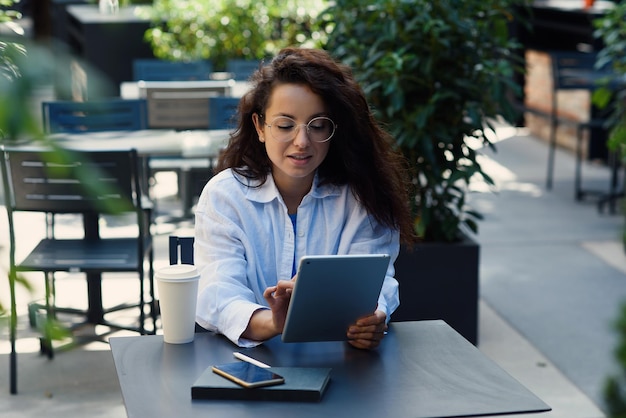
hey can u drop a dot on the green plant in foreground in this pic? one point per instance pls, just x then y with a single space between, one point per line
614 388
611 30
23 67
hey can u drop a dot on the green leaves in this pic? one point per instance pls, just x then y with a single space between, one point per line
223 29
434 74
614 395
23 68
611 29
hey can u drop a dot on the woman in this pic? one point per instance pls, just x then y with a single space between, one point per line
308 171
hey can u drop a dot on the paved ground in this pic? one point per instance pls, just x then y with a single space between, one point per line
552 273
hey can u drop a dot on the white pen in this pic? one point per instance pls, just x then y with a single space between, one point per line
250 360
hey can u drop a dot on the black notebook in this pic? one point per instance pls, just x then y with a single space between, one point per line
302 384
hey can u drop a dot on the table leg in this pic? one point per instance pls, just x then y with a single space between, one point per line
95 311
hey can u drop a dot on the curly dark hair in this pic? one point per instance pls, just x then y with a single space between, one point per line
361 153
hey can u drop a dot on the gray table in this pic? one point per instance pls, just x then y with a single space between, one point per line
149 142
422 369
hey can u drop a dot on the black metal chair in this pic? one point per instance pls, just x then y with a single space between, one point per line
214 112
573 70
102 185
181 249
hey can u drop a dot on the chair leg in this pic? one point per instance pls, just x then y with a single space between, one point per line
578 193
46 340
551 152
13 333
613 194
142 304
153 308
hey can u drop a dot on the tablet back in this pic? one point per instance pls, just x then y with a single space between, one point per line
331 293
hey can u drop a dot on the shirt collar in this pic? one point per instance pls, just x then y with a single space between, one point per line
268 191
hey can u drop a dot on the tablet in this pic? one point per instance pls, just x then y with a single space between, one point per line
331 293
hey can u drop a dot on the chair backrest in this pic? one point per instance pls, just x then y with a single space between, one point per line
222 112
574 70
181 105
101 115
153 69
242 69
63 181
181 249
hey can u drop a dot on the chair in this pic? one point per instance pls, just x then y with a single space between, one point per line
101 115
112 114
98 184
242 69
154 69
181 105
222 112
572 70
188 107
181 249
194 172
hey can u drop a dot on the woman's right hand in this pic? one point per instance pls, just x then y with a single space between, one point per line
278 298
265 324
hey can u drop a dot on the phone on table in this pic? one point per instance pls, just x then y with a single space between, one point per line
248 375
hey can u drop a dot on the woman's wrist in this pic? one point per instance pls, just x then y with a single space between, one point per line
261 326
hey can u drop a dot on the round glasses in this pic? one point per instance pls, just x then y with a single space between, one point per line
284 129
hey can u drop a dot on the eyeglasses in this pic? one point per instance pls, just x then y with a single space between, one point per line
284 129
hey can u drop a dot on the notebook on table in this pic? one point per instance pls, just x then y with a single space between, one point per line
302 384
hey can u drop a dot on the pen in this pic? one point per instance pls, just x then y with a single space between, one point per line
250 360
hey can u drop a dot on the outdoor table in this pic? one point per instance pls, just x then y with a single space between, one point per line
421 369
149 142
138 89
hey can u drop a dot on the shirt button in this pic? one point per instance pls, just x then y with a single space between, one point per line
300 233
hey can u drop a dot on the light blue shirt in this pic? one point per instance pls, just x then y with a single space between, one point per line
245 242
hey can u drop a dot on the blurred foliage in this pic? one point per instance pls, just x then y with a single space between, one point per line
22 69
8 49
614 389
25 67
611 29
187 30
437 74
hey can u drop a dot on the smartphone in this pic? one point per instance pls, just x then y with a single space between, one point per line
248 375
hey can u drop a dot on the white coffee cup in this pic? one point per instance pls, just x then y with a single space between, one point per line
178 288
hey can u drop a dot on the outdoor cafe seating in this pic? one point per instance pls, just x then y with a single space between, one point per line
95 186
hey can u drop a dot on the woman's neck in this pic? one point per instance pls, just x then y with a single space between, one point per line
293 192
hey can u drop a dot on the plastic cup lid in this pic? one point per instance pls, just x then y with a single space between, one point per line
178 273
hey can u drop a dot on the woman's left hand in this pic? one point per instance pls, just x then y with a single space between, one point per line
368 332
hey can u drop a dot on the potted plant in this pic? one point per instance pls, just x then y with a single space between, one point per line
437 74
